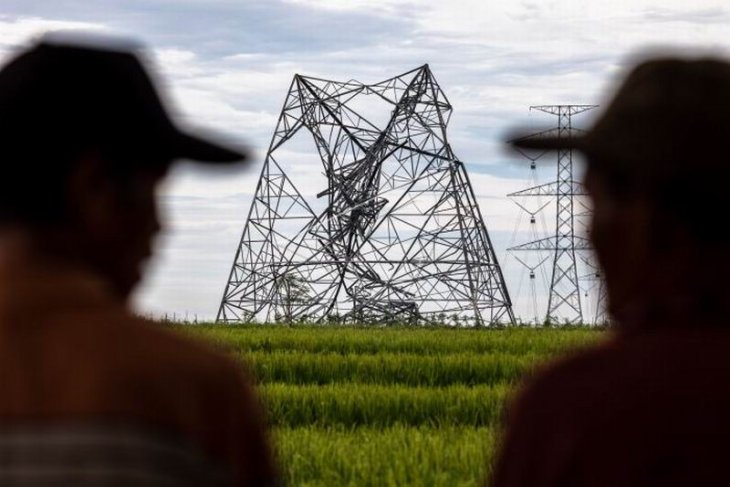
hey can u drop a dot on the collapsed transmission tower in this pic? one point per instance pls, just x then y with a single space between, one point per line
564 299
391 233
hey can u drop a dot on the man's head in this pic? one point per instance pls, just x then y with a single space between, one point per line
84 140
657 163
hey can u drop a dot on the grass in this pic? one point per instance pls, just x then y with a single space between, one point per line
388 406
412 369
354 405
395 456
362 340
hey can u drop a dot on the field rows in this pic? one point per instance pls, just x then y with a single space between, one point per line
412 369
379 406
354 406
422 341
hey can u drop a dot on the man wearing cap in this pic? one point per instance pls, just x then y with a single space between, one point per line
89 393
649 406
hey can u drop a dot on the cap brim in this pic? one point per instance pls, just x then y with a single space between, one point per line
548 143
187 146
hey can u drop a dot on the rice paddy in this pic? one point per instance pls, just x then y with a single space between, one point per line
355 406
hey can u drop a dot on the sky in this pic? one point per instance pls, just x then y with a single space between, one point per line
227 64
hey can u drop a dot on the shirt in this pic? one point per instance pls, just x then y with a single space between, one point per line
642 409
92 395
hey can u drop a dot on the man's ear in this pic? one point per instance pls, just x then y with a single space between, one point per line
90 193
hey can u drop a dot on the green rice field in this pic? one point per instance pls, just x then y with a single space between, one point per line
355 406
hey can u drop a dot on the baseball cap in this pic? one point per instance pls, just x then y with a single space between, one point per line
668 117
64 94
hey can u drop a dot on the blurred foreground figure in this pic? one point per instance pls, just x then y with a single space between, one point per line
89 393
651 406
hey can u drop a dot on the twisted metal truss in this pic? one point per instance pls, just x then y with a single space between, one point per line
394 233
564 301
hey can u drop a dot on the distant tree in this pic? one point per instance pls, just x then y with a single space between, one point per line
291 289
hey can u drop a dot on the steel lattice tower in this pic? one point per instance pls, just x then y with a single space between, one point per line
564 296
394 232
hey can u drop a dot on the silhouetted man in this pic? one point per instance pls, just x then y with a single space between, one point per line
650 407
89 393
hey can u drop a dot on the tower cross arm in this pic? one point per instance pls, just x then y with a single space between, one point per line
563 109
551 243
552 189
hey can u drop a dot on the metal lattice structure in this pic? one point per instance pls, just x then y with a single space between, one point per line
564 300
391 232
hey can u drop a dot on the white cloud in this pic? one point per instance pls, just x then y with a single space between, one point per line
17 31
228 65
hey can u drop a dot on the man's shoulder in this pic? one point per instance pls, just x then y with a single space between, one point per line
163 374
627 369
576 377
575 365
140 351
171 349
175 338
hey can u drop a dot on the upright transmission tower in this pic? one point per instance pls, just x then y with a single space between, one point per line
564 300
390 232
